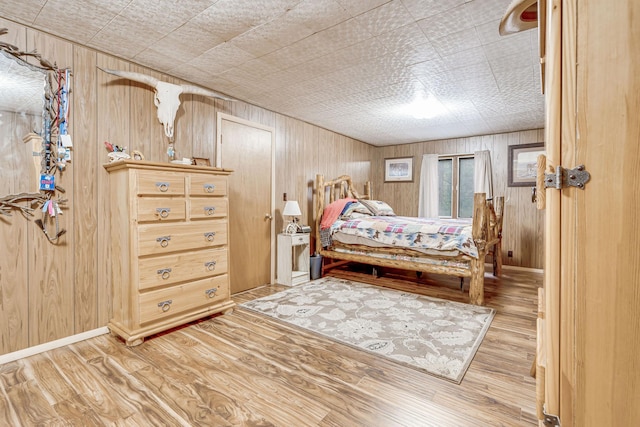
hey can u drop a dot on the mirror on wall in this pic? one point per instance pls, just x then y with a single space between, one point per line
22 86
34 141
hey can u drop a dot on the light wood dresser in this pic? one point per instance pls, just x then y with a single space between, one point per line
169 246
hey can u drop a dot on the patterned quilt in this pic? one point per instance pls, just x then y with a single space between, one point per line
412 233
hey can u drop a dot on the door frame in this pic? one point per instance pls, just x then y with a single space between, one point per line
553 257
218 160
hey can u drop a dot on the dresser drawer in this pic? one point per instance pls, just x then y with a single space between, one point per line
166 238
160 209
154 183
164 303
169 269
208 207
208 185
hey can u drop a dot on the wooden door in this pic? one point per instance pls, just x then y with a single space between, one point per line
593 275
247 149
606 278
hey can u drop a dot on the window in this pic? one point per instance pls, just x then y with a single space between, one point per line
455 179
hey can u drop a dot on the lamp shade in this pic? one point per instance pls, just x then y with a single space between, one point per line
291 208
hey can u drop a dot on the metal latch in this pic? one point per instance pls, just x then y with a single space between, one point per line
550 420
576 177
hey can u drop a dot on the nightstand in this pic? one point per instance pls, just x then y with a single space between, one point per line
293 258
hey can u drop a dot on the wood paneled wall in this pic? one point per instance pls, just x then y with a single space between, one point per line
523 225
50 291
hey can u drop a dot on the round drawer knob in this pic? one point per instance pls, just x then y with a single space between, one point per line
164 273
162 186
165 305
163 212
164 241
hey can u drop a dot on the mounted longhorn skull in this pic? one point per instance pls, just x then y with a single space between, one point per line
167 96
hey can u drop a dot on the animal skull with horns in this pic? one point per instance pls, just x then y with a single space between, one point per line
167 96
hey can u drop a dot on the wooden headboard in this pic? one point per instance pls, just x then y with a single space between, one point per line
339 188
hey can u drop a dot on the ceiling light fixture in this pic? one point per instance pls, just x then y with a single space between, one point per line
423 108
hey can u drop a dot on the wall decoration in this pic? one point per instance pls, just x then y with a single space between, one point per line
523 164
167 96
398 169
38 94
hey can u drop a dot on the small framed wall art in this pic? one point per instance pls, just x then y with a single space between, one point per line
398 169
523 164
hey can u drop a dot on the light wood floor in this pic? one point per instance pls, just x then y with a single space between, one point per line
245 369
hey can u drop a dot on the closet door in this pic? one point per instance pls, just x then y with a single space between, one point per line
247 148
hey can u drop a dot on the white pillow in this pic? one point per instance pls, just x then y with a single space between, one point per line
355 210
378 207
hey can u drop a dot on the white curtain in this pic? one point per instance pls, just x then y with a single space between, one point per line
428 200
482 175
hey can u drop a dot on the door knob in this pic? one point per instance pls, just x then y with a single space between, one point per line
268 216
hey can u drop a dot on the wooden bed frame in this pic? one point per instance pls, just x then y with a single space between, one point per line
486 233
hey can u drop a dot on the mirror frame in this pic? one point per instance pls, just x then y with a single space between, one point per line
53 160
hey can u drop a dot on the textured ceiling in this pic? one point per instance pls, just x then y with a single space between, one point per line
351 66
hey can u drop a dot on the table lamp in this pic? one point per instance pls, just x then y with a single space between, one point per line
292 209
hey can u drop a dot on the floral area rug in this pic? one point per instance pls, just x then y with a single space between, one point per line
437 336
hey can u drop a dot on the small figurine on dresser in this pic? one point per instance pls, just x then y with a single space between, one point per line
116 152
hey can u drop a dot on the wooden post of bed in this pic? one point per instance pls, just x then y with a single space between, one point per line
498 207
367 191
319 206
339 188
476 287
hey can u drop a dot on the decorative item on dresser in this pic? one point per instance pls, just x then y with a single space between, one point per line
169 246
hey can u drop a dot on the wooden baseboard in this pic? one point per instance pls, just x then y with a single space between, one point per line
30 351
516 267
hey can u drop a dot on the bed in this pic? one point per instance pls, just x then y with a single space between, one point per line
376 236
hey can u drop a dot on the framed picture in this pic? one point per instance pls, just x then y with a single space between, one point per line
200 161
398 169
523 164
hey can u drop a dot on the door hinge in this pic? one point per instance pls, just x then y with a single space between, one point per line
550 420
562 178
